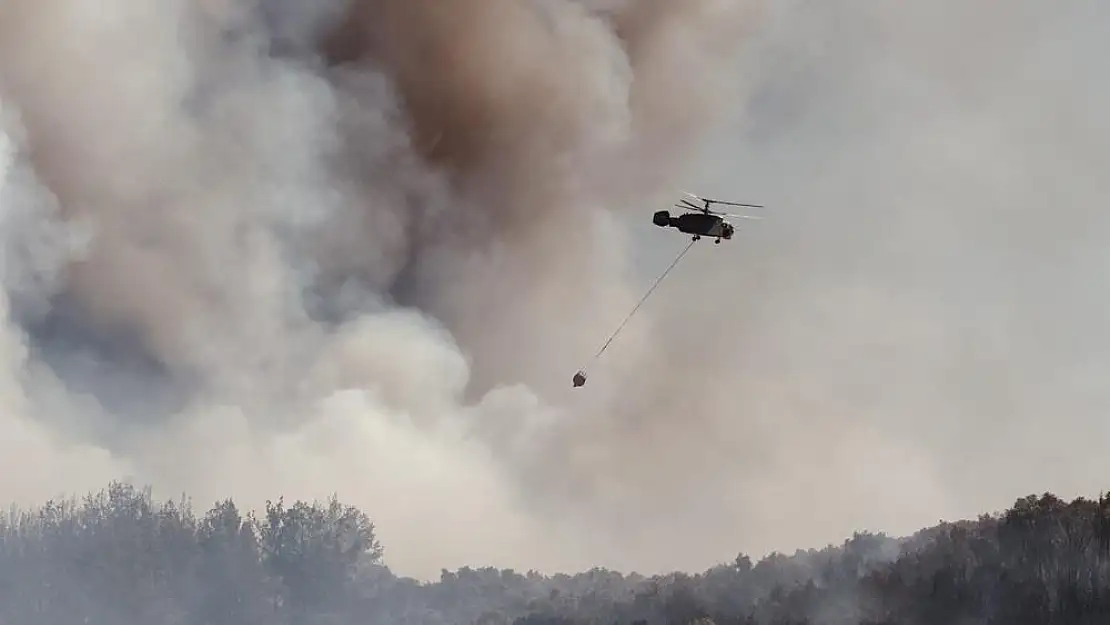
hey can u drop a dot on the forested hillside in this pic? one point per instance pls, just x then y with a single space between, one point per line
119 558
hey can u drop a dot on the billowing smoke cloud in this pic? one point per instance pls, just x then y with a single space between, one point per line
262 248
258 249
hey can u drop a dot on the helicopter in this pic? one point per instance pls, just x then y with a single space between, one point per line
701 221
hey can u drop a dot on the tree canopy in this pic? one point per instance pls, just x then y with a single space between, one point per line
118 557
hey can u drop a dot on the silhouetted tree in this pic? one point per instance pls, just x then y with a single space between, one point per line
315 550
117 557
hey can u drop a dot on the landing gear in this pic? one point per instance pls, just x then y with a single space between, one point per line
717 242
697 237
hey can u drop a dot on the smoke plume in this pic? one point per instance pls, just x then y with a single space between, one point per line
256 248
359 246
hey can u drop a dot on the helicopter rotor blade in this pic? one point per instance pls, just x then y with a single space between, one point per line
732 215
736 204
707 211
722 202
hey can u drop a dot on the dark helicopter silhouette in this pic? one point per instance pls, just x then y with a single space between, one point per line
700 221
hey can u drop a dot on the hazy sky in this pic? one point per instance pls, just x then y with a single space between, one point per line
923 299
242 274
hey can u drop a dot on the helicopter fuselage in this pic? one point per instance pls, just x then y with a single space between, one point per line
696 224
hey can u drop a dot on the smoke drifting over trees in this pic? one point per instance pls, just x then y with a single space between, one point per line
120 557
261 245
360 247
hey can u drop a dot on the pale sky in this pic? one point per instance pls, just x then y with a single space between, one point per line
929 270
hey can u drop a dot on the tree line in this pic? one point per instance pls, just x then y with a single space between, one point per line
118 557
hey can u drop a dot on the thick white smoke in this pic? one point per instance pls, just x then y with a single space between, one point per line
254 249
257 250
